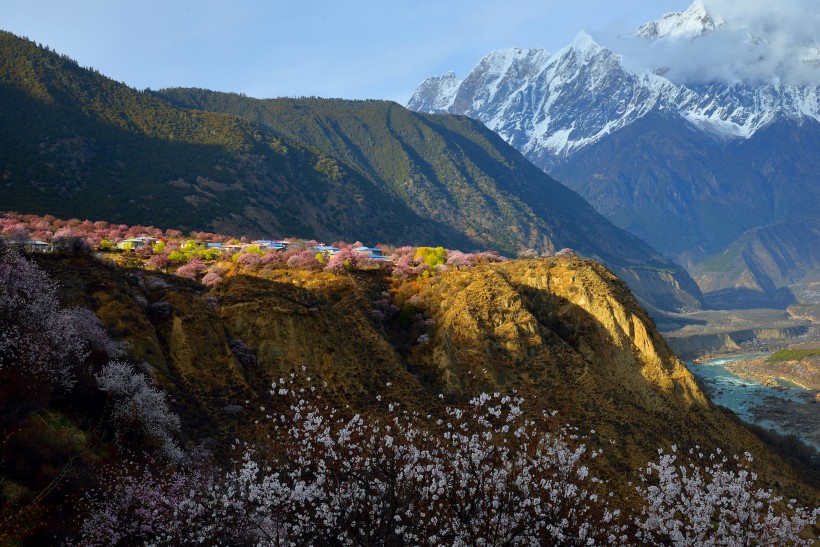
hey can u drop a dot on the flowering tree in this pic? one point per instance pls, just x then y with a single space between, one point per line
406 267
484 474
527 254
458 260
38 340
211 279
344 260
135 401
566 252
715 501
304 260
159 262
249 261
274 258
192 269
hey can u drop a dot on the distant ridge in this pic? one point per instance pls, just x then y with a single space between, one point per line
687 166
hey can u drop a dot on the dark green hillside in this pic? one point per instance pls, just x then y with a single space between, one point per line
445 167
454 169
659 179
75 143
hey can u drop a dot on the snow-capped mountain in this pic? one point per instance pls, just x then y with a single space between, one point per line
551 106
692 22
744 110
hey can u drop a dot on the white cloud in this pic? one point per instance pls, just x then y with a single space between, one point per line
761 42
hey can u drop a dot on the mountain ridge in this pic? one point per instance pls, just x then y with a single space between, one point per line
724 156
79 144
343 129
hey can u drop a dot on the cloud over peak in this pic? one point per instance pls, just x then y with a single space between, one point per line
754 42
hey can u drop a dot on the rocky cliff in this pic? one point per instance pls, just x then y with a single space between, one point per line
565 333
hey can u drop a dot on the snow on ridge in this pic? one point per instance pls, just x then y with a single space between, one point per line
435 94
716 126
692 22
550 107
583 42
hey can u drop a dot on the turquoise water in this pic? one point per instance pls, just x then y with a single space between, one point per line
743 396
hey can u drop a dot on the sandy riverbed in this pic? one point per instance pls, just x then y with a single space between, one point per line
804 373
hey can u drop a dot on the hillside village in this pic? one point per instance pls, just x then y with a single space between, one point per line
209 257
264 245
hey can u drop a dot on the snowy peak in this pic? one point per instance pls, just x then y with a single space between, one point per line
510 63
436 94
692 22
550 107
551 103
585 44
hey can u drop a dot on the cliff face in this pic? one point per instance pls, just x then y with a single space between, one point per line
575 310
566 334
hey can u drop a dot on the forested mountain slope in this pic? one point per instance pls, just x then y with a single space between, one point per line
453 169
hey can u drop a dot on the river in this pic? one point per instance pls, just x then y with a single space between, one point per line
787 409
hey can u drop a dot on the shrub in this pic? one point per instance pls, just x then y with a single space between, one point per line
159 310
244 354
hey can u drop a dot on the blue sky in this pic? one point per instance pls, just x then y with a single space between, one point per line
380 49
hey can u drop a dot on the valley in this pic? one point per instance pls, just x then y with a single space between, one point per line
718 173
719 332
568 298
781 397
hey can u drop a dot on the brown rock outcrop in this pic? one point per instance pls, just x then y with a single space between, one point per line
566 334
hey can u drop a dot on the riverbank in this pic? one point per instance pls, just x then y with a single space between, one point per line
713 333
764 394
803 373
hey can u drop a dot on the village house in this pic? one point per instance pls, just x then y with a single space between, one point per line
136 242
373 253
36 246
326 249
270 245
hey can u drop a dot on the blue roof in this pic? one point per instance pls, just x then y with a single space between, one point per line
269 243
325 248
373 250
213 245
